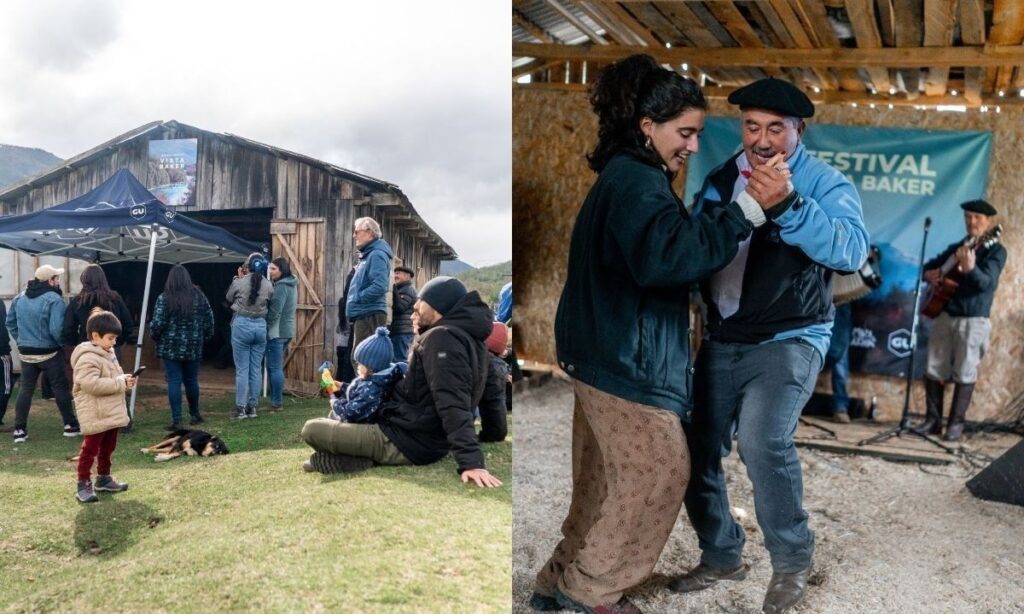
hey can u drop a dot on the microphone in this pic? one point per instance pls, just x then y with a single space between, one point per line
927 223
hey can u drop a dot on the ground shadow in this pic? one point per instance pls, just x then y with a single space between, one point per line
107 528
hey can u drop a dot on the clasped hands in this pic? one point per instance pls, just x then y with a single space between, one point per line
768 183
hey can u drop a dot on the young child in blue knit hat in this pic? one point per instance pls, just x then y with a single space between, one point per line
374 382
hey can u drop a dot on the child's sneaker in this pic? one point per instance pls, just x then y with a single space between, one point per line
72 431
20 435
239 413
85 493
106 483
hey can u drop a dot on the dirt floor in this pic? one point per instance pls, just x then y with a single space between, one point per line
891 537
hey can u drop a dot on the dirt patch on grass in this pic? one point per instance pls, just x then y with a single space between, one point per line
891 537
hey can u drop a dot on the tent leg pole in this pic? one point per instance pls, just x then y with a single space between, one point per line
142 320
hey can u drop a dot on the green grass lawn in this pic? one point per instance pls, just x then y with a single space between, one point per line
246 531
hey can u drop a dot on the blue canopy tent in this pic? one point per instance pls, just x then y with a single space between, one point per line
122 221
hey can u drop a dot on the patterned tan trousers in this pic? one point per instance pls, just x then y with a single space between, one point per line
630 468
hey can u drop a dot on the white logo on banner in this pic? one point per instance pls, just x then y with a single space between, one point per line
899 342
169 215
863 338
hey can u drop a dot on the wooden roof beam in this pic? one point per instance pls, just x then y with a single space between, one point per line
862 20
972 32
909 32
967 55
577 22
535 31
939 21
831 97
792 24
1007 29
686 21
739 28
631 23
812 13
610 26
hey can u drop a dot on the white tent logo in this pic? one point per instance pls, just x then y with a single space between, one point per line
138 211
899 342
169 215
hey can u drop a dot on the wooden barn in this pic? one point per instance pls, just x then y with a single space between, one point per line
874 64
298 207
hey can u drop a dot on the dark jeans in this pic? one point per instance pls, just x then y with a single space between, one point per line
838 357
344 372
54 370
401 344
762 388
363 328
177 372
7 373
99 446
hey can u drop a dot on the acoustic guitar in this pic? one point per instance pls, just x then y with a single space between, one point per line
950 276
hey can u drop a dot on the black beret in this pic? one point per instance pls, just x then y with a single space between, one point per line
775 95
979 206
405 269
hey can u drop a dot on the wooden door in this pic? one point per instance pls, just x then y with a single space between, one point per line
301 242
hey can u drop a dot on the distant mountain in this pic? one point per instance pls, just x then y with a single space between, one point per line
17 163
452 268
487 280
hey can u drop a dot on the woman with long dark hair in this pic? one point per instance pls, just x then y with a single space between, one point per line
280 327
249 295
621 333
182 321
96 295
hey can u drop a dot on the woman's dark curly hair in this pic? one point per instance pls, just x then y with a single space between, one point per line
629 90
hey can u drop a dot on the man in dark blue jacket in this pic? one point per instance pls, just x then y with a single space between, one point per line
960 336
368 295
769 322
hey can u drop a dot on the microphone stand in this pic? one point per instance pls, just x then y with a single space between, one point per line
904 426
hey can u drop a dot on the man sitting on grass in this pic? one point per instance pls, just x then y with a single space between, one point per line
432 409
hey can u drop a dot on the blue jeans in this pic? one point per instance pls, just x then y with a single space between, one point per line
177 372
249 342
276 349
401 345
762 388
838 357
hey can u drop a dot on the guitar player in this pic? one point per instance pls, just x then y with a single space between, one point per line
959 337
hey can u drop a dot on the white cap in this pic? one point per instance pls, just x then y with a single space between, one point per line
47 272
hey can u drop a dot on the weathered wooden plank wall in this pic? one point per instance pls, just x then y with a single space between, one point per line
552 131
236 176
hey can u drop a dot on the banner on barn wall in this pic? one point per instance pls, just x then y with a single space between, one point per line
903 176
172 171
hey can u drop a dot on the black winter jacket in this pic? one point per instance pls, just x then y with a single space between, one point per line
401 308
973 297
76 315
623 318
432 409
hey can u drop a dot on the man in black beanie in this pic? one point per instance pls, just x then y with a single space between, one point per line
431 412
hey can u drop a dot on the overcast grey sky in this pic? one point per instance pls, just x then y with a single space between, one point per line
415 93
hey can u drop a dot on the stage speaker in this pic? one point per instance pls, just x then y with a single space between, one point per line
1003 480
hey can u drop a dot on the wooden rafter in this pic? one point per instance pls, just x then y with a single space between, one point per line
812 13
886 22
967 55
792 24
972 32
739 28
610 26
832 97
938 32
690 25
909 32
1007 29
862 20
577 22
631 23
535 31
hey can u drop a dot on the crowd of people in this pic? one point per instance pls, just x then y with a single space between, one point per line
415 369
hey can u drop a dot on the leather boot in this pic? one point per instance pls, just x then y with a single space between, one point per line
933 393
958 412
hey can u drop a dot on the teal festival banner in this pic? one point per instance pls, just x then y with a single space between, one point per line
903 175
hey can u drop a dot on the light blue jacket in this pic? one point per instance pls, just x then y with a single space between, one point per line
37 323
368 293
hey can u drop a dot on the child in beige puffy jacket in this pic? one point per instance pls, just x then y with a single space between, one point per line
99 390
